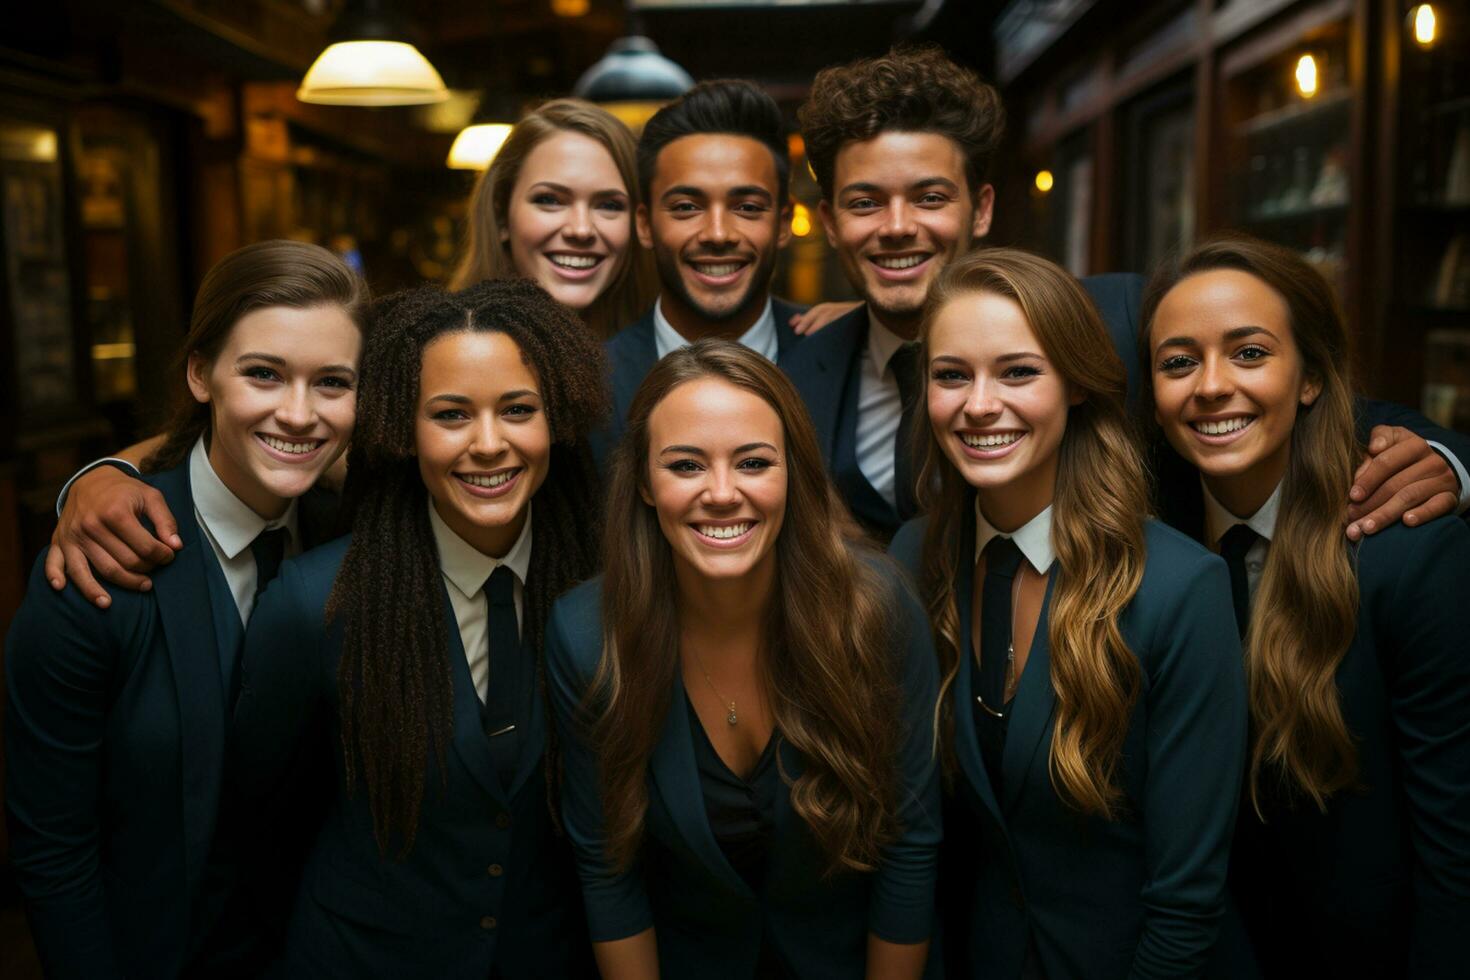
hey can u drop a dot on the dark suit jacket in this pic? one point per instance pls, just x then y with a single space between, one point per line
488 888
1140 896
115 739
1379 884
632 353
708 922
827 369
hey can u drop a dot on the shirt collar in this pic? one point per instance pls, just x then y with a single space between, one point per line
227 518
1033 538
882 345
466 566
761 337
1218 520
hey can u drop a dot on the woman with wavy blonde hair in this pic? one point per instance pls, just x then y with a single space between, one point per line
1093 705
557 206
744 700
1353 852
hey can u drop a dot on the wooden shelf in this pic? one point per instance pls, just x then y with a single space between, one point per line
1295 114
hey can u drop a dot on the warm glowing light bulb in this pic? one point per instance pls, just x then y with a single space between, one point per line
372 73
475 146
569 8
1425 24
1044 181
1306 75
801 221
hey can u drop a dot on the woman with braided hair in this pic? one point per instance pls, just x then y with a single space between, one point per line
417 640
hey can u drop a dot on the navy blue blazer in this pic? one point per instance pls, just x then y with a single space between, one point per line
708 922
488 889
1379 884
115 747
632 353
1137 897
827 370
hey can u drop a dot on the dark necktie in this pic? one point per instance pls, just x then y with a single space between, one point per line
1233 546
268 549
1002 559
905 366
502 695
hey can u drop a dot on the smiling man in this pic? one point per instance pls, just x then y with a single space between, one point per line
712 169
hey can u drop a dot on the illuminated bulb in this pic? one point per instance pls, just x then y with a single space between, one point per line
1306 75
1044 181
475 146
801 221
569 8
372 73
1425 24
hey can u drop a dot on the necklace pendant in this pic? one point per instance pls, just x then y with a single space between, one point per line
731 717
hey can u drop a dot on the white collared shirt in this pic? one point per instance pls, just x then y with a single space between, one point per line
880 410
761 337
230 526
1033 538
466 570
1218 520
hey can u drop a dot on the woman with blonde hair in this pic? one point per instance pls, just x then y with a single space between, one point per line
745 701
1352 857
1093 705
557 206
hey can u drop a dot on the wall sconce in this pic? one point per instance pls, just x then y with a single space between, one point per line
1045 181
1424 24
1306 76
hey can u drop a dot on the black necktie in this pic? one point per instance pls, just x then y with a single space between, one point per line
1233 546
502 695
1002 559
268 549
905 366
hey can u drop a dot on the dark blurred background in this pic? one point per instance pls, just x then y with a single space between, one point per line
141 141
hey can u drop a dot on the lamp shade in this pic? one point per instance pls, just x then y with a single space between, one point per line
475 146
372 73
633 70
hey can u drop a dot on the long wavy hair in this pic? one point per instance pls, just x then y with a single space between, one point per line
271 273
634 285
828 635
394 678
1098 514
1305 610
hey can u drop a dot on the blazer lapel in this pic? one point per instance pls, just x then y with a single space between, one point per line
821 368
967 747
677 777
182 593
470 742
1033 706
786 338
633 353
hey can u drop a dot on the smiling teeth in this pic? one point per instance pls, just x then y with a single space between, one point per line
493 480
1223 427
282 446
723 532
990 441
575 261
904 262
721 269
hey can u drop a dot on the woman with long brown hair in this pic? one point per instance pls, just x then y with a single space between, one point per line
409 653
557 206
1094 705
1353 853
745 699
115 719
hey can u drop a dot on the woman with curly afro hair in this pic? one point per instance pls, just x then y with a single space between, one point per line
411 649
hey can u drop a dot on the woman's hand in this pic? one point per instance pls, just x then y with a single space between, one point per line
820 315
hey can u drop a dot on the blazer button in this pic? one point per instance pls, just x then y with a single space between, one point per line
488 922
495 870
502 820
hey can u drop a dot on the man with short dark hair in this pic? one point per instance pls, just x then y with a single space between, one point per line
713 171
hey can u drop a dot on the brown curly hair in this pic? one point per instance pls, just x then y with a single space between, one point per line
910 89
394 679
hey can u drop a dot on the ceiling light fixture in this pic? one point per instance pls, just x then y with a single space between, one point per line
368 63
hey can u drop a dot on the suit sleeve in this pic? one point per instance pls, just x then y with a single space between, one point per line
901 907
1454 446
1429 695
60 660
617 904
1196 710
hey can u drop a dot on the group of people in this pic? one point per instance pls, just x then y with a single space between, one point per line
595 663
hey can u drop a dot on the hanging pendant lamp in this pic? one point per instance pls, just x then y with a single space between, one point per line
369 63
633 80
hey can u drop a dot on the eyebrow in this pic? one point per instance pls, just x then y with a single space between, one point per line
1002 359
696 451
1234 333
281 362
466 400
564 189
869 188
